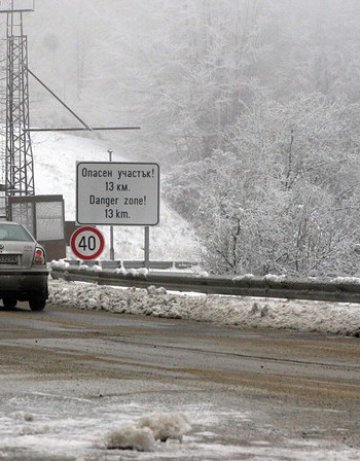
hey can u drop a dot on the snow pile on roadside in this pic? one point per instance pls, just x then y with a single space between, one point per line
149 429
316 316
130 437
166 426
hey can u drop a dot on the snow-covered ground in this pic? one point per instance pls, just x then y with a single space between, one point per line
310 316
55 157
85 424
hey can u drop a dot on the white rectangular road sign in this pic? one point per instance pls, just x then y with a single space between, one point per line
7 6
111 193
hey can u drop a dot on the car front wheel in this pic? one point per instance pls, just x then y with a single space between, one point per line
37 302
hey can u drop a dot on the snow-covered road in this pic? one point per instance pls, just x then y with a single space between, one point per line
45 427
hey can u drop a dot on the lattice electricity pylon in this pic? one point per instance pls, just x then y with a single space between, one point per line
19 162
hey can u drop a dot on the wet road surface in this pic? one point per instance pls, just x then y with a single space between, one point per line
68 377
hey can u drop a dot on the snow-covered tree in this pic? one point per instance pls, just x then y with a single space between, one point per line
282 196
252 107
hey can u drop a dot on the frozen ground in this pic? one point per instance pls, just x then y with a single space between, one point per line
38 425
316 316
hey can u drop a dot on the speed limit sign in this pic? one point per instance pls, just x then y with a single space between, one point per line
87 242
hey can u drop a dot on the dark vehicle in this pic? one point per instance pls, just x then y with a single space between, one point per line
23 271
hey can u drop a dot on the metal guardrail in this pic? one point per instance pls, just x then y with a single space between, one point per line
341 290
132 264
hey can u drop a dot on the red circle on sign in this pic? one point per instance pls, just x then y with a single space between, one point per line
98 249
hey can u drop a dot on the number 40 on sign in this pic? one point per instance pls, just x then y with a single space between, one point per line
87 243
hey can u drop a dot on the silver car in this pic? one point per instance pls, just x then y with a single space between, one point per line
23 271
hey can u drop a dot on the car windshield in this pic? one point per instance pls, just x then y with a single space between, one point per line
13 232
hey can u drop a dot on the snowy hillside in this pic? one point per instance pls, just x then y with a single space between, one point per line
55 157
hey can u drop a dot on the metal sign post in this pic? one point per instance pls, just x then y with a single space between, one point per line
147 248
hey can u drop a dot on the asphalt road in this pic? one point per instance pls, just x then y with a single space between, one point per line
67 377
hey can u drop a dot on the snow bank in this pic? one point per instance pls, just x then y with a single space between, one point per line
316 316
